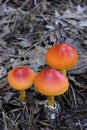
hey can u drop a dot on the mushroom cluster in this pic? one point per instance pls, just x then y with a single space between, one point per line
50 82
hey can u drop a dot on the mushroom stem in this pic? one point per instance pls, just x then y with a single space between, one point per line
22 95
51 101
63 72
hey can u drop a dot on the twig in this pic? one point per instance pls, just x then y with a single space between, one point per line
45 124
78 119
74 96
4 120
24 4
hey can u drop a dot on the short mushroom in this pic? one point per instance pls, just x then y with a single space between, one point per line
21 78
62 56
51 82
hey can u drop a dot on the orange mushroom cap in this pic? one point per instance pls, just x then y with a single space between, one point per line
62 56
51 82
21 78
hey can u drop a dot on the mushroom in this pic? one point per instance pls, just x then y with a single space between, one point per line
62 56
51 82
21 78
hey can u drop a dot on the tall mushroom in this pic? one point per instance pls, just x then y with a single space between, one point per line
62 56
51 82
21 78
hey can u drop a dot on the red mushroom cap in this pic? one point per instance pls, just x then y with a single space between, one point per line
51 82
21 78
62 56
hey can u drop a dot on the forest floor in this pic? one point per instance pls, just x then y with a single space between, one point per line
28 28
